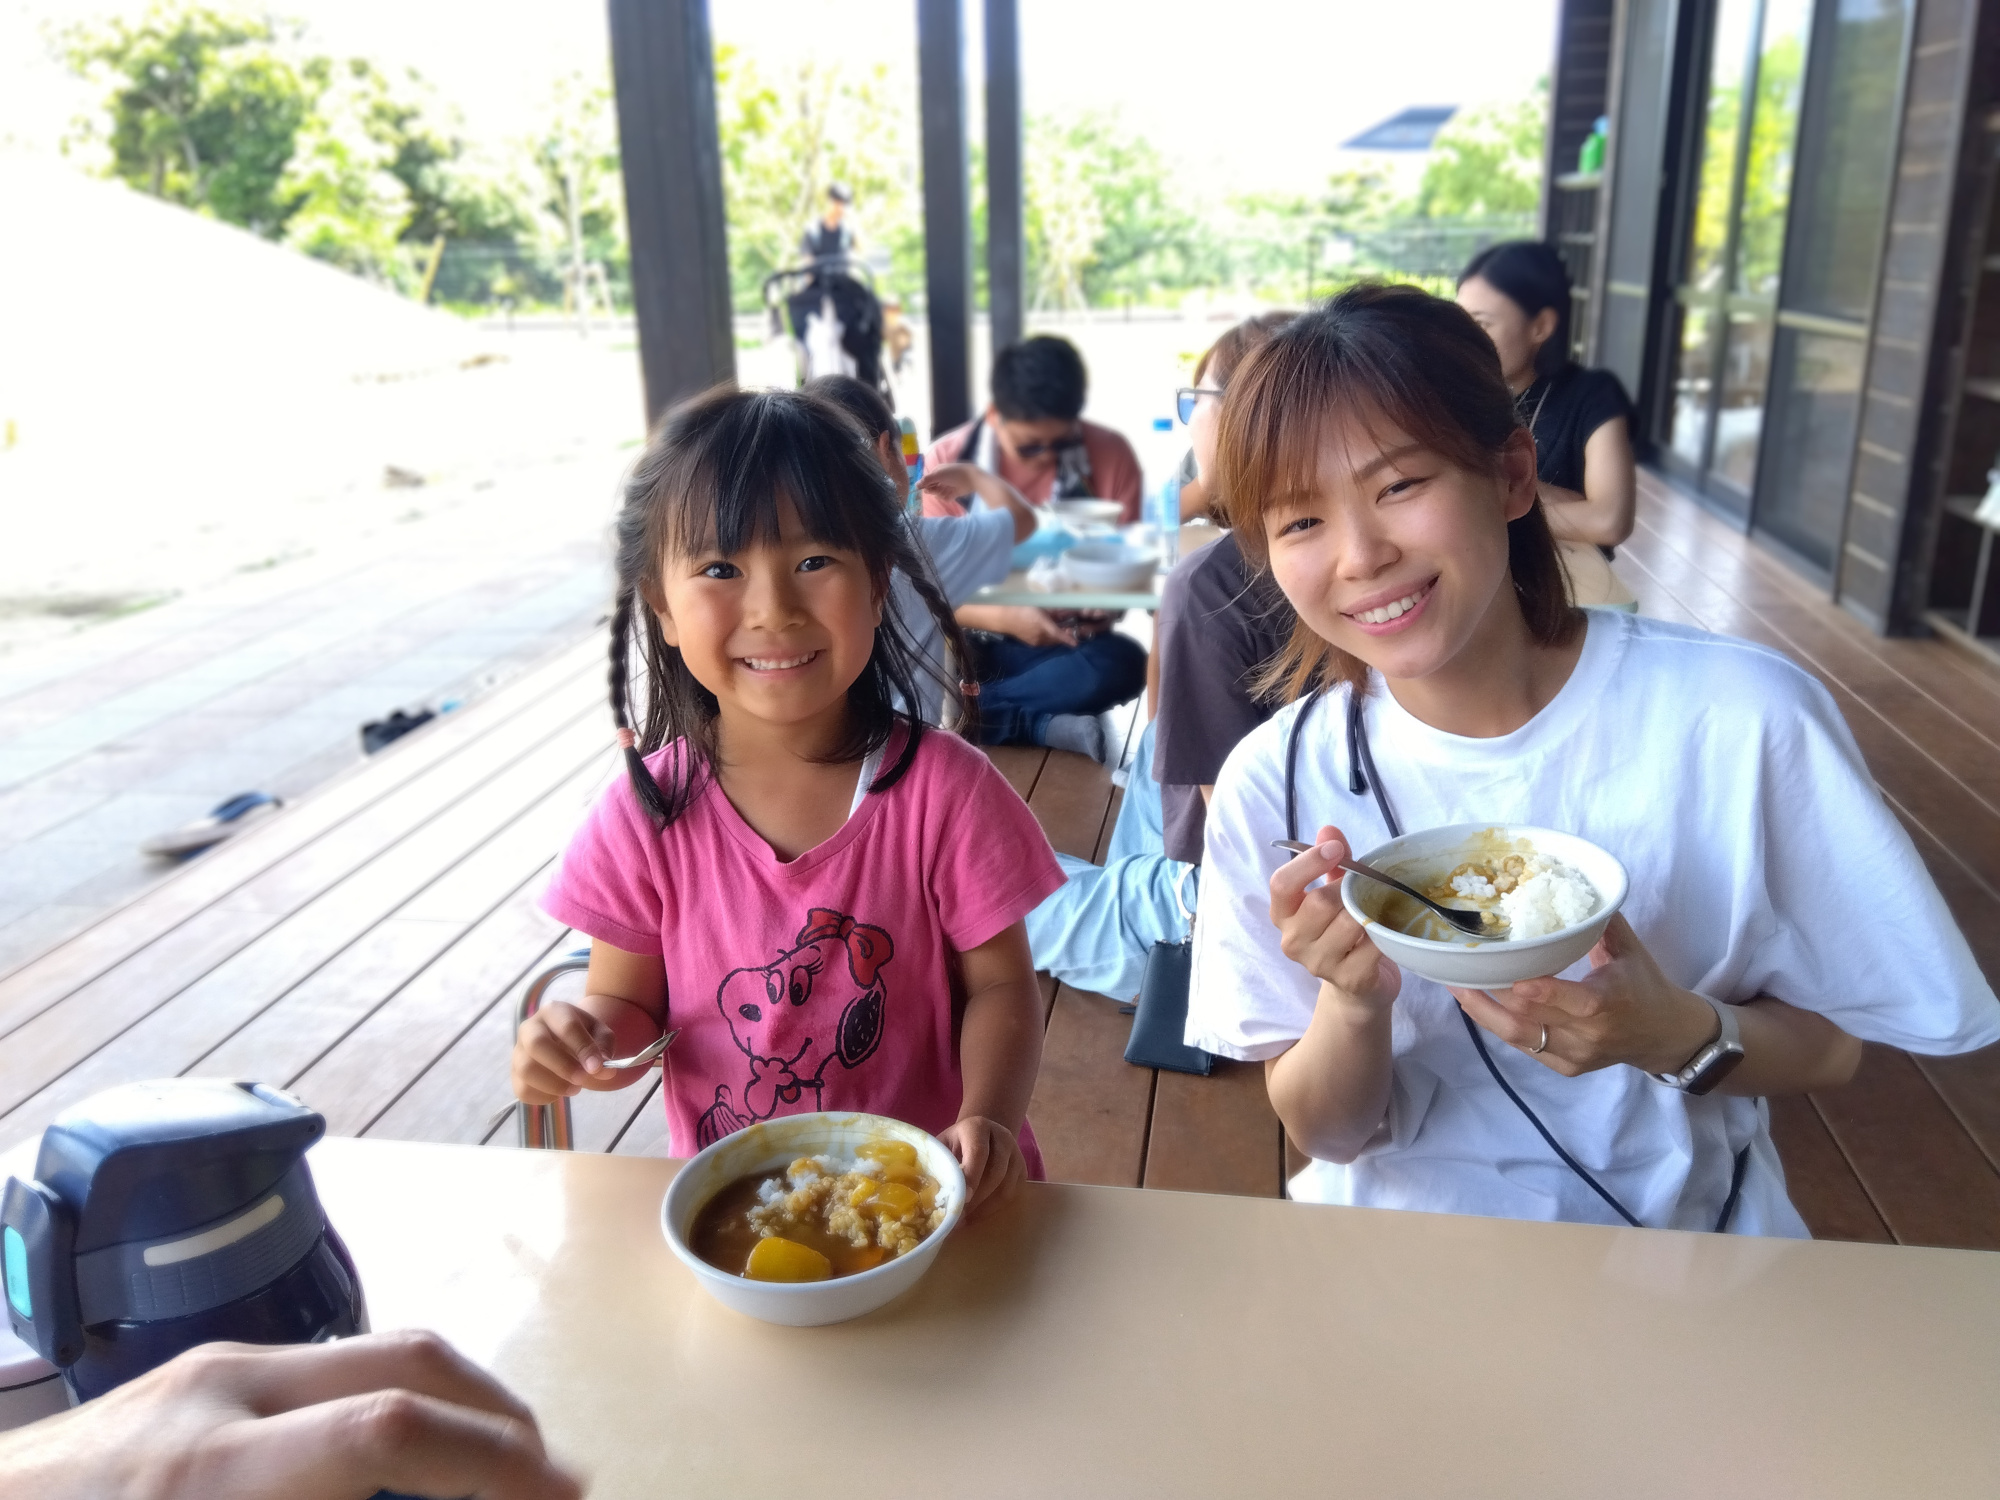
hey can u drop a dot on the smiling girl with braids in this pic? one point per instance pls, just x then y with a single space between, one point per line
824 896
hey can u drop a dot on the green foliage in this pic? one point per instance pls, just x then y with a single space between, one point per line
1104 220
1487 161
1767 182
204 110
349 206
786 136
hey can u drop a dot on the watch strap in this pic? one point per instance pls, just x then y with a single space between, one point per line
1713 1062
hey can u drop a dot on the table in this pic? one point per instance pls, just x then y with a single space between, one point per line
1110 1341
1013 589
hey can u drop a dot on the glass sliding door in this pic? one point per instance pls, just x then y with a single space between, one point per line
1824 304
1727 296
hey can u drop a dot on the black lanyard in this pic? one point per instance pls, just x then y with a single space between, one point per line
1363 777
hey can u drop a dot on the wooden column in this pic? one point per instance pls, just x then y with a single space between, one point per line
947 209
663 66
1006 244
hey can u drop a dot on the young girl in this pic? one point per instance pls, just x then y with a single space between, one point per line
1374 462
824 897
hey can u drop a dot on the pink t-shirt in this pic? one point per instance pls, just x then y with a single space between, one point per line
831 981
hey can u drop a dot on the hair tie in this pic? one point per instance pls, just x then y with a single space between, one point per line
626 739
968 690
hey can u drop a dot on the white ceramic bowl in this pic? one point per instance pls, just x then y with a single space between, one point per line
1432 853
1087 515
772 1145
1109 565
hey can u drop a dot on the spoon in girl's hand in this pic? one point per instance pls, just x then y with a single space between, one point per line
640 1059
1472 923
644 1058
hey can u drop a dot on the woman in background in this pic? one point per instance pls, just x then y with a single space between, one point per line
1580 419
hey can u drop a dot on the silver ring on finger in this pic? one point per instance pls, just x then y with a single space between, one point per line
1543 1044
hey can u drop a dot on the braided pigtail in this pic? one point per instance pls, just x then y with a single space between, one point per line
961 691
648 791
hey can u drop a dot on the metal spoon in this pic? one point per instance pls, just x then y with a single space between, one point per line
1472 923
645 1057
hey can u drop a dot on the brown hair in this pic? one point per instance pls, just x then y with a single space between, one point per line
1397 356
1226 353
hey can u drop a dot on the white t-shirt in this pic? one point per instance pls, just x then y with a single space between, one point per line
967 553
1762 862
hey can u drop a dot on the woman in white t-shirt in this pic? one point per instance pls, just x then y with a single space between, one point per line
1374 462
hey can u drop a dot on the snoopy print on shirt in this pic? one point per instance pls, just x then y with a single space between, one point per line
818 1006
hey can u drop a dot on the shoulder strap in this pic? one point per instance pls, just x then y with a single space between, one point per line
1292 766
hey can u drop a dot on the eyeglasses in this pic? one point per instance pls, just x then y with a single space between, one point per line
1029 452
1189 396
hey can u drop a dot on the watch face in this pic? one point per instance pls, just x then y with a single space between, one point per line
1717 1068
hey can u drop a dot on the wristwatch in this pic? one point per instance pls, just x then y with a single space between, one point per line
1714 1062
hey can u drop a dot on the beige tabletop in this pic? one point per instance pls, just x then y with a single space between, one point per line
1107 1341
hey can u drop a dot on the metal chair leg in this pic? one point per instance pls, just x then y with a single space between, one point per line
546 1127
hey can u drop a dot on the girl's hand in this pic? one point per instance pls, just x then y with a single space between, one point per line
1625 1011
560 1051
1316 932
991 1158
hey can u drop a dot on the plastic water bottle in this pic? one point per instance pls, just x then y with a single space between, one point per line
1590 156
1165 448
913 463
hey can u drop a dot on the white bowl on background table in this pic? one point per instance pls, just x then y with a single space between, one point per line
1418 859
773 1145
1087 515
1109 565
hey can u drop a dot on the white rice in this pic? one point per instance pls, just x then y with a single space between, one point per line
1550 897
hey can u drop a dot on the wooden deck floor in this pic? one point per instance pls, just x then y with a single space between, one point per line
365 948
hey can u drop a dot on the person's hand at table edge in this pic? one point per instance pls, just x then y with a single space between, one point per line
403 1412
990 1156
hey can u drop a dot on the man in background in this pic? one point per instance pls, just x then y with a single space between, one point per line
1045 676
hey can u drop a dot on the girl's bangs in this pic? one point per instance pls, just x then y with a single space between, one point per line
762 457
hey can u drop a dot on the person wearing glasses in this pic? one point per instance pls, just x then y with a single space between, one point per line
1044 676
1219 620
1218 624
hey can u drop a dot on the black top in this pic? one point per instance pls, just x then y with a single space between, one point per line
827 242
1563 410
1219 622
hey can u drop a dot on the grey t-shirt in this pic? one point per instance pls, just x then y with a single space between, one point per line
1218 623
967 553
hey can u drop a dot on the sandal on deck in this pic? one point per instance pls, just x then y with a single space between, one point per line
224 821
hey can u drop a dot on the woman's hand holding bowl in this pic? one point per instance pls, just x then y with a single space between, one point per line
1624 1011
1316 932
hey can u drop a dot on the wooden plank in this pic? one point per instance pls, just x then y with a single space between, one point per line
120 1028
1927 1178
358 1080
1216 1134
1020 764
646 1135
1819 1179
307 1022
557 690
1071 797
457 1096
1090 1106
1958 750
599 1119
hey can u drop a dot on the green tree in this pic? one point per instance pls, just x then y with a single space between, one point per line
1487 161
1104 220
204 110
786 136
349 206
